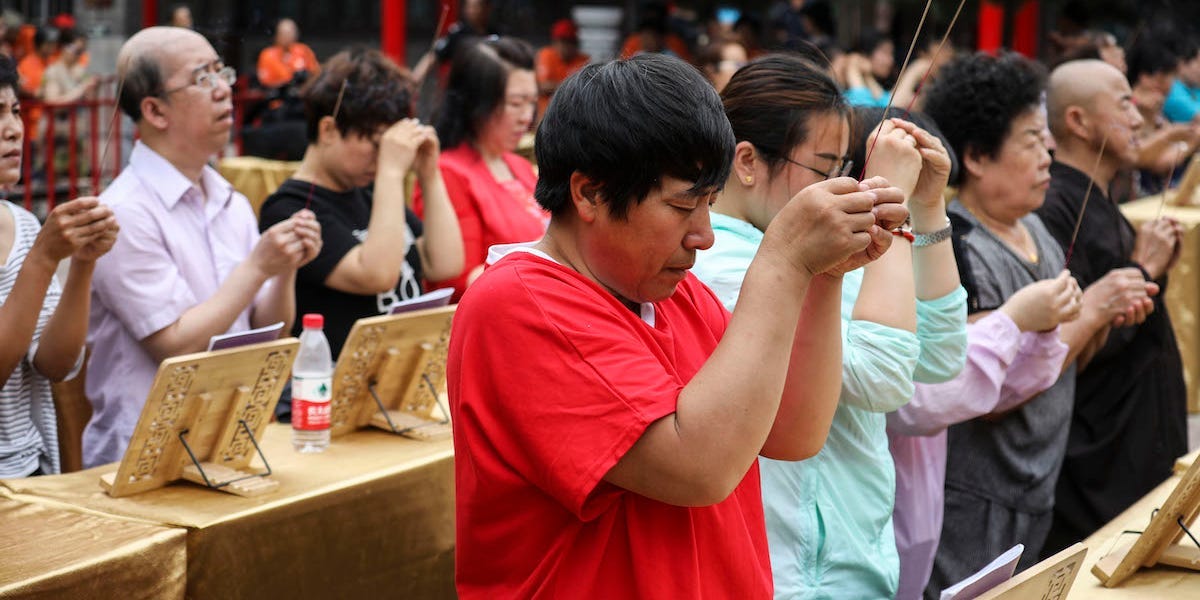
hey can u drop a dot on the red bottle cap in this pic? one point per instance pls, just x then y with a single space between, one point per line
313 321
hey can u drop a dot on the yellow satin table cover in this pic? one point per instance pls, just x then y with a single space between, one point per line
371 517
1183 289
53 553
256 178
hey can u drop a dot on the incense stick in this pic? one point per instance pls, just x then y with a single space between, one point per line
924 78
112 122
892 96
1086 195
1166 188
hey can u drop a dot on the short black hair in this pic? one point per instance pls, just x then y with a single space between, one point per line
478 80
8 73
627 123
376 93
1150 57
976 97
867 118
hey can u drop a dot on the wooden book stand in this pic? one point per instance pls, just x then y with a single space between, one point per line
391 374
1050 579
202 419
1159 543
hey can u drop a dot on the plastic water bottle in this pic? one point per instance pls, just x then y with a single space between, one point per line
312 387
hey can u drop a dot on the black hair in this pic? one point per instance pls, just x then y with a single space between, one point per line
68 36
769 103
868 41
43 35
626 124
376 93
8 73
976 97
478 80
1150 57
867 118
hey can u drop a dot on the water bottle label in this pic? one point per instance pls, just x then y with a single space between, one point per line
310 403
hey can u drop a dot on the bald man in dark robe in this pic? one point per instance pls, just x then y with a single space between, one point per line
1130 420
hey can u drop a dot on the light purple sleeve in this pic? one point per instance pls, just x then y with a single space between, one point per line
998 374
138 279
1037 366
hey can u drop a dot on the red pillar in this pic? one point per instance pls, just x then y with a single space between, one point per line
149 13
393 28
991 26
451 8
1025 28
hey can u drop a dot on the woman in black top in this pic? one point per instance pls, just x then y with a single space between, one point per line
361 147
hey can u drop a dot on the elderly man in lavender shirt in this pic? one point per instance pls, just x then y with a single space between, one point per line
189 263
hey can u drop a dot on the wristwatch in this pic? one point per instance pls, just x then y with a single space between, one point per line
928 239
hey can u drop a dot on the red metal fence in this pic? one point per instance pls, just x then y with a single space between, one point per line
65 144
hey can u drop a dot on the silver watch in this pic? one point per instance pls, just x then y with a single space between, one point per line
921 240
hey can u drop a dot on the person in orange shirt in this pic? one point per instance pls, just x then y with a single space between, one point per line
558 61
279 64
33 67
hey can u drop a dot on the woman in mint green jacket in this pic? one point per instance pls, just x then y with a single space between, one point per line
903 319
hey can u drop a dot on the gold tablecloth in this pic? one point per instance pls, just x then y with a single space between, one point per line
256 178
48 552
371 517
1183 291
1159 583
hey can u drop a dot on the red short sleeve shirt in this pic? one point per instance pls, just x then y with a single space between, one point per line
551 381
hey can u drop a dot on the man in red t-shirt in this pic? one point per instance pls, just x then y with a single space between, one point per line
608 412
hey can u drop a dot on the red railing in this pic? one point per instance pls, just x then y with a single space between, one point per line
46 150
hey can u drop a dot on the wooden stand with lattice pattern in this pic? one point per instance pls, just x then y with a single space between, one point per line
202 419
392 373
1160 542
1050 579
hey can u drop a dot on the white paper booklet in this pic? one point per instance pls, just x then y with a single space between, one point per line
996 573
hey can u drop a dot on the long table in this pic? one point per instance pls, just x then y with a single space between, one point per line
1159 583
373 516
50 552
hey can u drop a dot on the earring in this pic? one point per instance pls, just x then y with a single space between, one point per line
749 179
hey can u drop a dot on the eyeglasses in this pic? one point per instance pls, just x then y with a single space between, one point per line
207 79
839 169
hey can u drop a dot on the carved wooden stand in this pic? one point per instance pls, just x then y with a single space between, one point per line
202 419
392 373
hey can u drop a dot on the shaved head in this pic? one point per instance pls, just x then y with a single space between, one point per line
1090 106
286 32
1079 83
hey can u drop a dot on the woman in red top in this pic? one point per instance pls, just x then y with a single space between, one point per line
489 105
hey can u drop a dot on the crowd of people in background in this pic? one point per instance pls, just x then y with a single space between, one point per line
741 329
